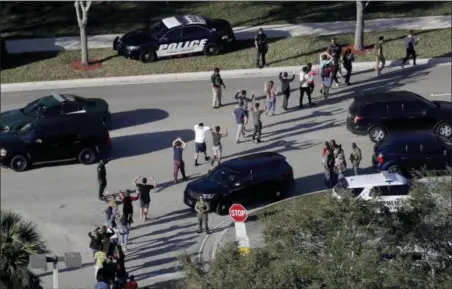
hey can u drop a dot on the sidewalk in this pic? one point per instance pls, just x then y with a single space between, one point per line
244 33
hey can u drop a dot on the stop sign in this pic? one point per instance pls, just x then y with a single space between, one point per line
238 213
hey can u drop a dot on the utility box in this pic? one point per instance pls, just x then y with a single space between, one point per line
73 260
38 262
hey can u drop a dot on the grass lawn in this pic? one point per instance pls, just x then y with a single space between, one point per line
49 19
285 52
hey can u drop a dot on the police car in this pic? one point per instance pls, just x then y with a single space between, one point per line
176 36
389 188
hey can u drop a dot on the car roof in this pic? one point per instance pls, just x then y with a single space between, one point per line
411 136
384 96
252 160
380 179
176 21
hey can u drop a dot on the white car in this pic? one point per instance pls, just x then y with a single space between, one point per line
389 188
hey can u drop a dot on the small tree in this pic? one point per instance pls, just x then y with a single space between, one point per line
82 9
359 30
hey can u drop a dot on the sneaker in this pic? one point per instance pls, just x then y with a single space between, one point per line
199 231
196 163
207 158
337 84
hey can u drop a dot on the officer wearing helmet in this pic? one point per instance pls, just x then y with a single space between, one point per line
202 214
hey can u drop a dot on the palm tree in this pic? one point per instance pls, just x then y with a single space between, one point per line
19 239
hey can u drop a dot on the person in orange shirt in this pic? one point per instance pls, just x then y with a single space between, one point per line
132 284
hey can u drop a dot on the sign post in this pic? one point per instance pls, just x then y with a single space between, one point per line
239 214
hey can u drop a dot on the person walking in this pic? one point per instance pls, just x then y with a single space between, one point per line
111 213
304 85
123 228
261 44
256 113
325 63
131 284
335 50
355 158
311 73
380 59
271 91
144 190
243 101
217 83
410 43
240 119
99 258
202 214
200 141
328 165
101 284
217 148
102 178
339 163
285 87
127 206
347 61
178 163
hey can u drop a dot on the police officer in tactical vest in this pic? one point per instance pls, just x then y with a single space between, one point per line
102 178
260 41
202 214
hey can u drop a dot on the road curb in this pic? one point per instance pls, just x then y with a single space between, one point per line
228 222
189 76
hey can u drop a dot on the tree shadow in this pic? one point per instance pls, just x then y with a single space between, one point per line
167 184
136 117
139 144
16 60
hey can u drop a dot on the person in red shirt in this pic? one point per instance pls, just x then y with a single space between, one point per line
132 284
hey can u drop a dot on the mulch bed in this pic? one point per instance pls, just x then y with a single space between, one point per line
93 64
367 49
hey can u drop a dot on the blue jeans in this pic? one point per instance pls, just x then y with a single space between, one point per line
272 105
124 238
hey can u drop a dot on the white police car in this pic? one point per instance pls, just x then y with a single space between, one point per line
176 36
389 188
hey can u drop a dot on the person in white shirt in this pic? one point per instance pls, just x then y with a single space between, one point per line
305 85
200 141
410 43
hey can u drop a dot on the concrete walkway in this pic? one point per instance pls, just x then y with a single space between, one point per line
243 33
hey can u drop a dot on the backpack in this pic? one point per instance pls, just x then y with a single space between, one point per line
327 70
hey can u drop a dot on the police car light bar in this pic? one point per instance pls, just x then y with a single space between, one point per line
387 176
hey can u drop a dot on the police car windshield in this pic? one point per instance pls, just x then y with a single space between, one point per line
158 28
222 176
342 187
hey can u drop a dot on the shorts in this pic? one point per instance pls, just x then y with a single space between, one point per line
200 147
217 151
380 59
144 205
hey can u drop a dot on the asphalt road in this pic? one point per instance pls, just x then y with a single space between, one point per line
62 199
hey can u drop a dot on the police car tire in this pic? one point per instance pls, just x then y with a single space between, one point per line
87 156
19 163
211 46
147 56
394 169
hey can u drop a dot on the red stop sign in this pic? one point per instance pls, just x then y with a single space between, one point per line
238 213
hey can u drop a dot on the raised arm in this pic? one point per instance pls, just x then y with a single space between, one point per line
225 134
136 180
292 78
280 76
154 183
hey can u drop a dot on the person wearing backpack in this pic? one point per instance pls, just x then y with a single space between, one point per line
110 213
304 85
123 232
410 43
325 68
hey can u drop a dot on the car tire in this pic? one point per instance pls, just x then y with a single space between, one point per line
19 163
87 156
115 43
376 134
211 49
223 208
444 129
394 169
148 56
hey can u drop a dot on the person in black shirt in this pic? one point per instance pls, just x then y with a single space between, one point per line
285 87
347 60
178 147
335 50
260 41
102 178
144 190
216 144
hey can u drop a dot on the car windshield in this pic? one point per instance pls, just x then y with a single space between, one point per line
222 176
158 29
71 98
40 104
343 187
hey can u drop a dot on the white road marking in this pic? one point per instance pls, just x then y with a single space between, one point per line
441 94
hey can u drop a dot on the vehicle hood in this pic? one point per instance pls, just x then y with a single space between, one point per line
444 105
138 37
10 140
13 119
204 186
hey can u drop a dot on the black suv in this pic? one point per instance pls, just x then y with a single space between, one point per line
250 179
176 36
412 151
55 139
379 114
